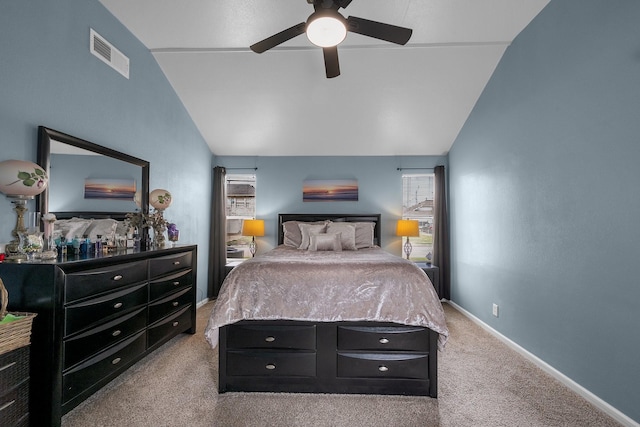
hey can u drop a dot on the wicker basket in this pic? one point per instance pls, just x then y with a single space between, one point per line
16 334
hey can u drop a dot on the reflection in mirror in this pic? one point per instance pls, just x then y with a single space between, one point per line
87 178
87 181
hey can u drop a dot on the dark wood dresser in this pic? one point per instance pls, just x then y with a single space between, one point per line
97 317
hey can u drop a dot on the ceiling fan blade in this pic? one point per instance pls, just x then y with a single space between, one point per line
331 64
379 30
343 3
279 38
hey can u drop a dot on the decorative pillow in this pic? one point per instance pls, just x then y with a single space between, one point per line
104 227
348 231
325 242
292 233
306 230
365 234
70 228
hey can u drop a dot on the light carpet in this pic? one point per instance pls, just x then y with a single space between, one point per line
482 382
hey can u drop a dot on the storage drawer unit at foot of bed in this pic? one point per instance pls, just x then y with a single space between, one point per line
376 338
388 365
276 337
267 363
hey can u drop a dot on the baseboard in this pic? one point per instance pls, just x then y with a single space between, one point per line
201 303
574 386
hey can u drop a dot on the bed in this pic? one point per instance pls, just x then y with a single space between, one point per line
340 316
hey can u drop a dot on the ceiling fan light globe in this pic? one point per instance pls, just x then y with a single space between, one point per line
326 31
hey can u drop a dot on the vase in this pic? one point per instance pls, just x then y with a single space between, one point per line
158 237
31 243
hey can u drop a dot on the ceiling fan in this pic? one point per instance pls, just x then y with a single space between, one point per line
327 28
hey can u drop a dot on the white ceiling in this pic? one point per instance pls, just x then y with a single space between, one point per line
388 100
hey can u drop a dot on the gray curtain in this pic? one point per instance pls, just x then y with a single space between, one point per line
441 257
218 232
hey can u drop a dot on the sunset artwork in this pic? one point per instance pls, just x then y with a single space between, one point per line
101 188
330 190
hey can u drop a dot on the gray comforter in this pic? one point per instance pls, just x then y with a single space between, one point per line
367 284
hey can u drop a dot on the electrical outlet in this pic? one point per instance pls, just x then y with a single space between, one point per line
495 310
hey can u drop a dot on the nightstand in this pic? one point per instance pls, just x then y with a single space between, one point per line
433 272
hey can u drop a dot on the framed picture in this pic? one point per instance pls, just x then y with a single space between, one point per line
330 190
108 188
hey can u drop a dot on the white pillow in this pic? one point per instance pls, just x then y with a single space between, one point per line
365 234
307 230
348 232
325 242
104 227
70 228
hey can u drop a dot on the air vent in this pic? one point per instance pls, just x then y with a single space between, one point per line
108 54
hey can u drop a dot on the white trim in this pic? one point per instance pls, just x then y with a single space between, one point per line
574 386
201 303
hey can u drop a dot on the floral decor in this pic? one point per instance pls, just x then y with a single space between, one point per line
159 225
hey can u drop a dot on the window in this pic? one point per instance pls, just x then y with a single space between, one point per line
417 203
241 204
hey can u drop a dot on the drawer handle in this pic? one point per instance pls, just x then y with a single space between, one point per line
176 283
6 405
116 361
118 277
7 366
176 262
116 333
384 341
175 323
270 366
175 303
117 305
270 339
382 368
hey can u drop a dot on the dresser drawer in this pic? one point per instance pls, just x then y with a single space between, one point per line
247 335
90 282
170 327
170 263
14 406
383 365
83 345
82 315
165 306
14 368
104 364
403 338
271 363
168 284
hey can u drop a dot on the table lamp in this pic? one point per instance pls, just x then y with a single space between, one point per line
408 228
20 181
253 228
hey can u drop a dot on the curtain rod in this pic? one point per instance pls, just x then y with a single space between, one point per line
231 169
422 169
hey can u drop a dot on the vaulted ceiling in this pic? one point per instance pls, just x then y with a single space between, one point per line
388 100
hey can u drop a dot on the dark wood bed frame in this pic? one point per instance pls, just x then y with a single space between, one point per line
328 357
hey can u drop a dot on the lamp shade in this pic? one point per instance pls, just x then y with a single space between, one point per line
160 199
408 227
326 28
19 178
253 227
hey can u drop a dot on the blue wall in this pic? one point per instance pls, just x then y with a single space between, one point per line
544 196
48 77
279 187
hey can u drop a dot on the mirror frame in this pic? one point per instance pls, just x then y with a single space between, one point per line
46 135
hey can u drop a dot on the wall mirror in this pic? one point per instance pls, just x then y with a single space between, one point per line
89 180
